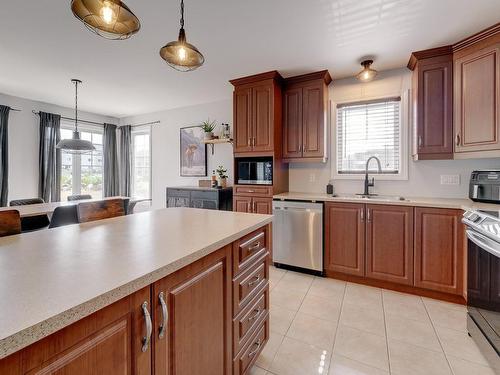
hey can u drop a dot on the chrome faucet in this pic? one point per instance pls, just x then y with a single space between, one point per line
371 183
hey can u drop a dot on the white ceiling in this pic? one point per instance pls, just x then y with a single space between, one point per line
42 46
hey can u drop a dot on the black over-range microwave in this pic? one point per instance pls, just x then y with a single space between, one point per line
255 171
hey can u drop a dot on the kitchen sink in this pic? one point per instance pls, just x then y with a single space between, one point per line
388 198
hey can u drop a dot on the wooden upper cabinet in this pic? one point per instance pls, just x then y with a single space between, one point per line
432 89
439 246
305 103
292 119
197 333
389 243
345 238
242 107
257 113
477 100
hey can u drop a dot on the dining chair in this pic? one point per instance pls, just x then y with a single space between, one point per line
10 223
64 215
79 197
105 209
31 223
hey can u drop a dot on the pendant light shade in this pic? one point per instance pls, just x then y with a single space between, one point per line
367 74
111 19
75 145
180 54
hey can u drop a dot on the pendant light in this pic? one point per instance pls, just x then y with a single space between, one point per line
367 74
76 145
111 19
180 54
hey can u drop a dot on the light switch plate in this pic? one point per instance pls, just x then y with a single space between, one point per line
450 179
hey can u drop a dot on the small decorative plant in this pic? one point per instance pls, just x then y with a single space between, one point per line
208 127
222 176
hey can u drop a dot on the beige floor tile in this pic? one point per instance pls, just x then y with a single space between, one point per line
257 371
461 367
363 296
412 332
276 274
298 358
459 344
362 346
325 287
449 305
295 281
341 365
323 308
369 320
280 319
447 316
409 359
314 331
290 300
267 356
404 305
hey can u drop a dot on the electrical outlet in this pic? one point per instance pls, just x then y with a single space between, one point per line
450 179
312 177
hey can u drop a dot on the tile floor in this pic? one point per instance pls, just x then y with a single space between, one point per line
326 326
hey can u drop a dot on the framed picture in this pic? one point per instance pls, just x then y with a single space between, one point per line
193 152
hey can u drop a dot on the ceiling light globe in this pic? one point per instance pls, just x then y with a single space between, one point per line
367 74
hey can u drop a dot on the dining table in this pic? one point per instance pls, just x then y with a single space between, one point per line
49 207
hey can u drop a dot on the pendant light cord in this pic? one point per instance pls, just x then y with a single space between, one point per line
182 14
76 105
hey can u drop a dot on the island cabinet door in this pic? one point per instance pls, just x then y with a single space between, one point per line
192 318
345 238
389 243
110 341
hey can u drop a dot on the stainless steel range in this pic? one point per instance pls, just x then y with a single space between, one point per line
483 281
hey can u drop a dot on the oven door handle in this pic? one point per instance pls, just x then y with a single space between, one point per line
482 242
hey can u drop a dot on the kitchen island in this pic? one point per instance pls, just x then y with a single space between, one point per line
168 291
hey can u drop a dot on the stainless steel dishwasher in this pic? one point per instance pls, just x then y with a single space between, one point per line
298 235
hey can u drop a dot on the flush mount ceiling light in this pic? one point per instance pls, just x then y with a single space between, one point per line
76 145
367 74
111 19
181 55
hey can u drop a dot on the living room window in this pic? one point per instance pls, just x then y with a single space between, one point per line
141 163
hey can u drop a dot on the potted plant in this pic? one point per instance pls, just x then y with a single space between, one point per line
221 176
208 127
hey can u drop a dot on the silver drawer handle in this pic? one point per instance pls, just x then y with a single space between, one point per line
255 280
257 345
149 327
254 247
256 315
250 191
164 312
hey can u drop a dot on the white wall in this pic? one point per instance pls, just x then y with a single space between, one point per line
23 142
423 176
166 144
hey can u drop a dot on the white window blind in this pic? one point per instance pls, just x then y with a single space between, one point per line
370 128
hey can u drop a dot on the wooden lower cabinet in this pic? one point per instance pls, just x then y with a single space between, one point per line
439 246
242 203
389 243
345 238
194 328
256 205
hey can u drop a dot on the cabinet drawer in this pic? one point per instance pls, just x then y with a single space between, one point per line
248 249
263 191
244 361
249 283
180 193
251 316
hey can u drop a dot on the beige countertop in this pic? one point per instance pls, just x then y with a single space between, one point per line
456 203
52 278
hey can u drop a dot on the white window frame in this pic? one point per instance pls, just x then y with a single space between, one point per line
141 130
404 123
77 159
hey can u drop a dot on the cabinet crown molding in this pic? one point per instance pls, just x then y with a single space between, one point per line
273 74
477 37
428 53
321 75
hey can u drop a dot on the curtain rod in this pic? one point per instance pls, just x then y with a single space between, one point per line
15 110
72 119
147 123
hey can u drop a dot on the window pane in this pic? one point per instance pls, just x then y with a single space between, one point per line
141 165
365 130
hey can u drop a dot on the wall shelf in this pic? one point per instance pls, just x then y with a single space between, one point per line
217 141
